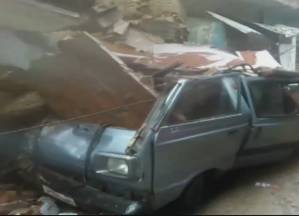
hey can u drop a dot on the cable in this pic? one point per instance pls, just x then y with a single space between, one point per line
72 119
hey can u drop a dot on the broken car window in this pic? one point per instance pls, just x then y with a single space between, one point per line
205 99
272 99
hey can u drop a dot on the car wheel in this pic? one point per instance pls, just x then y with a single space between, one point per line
192 197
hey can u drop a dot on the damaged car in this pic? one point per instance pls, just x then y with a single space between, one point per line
199 128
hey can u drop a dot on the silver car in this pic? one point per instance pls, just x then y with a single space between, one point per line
201 127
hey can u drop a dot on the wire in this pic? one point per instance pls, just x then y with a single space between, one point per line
59 122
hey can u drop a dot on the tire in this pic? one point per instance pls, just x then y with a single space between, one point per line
192 197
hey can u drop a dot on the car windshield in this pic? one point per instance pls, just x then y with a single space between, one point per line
205 99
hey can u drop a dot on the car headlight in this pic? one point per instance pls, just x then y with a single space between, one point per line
118 166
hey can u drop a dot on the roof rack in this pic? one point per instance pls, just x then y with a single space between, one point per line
245 69
249 70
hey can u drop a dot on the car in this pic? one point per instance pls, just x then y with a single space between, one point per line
202 126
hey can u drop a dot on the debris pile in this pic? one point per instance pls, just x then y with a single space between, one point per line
110 74
134 24
16 200
75 77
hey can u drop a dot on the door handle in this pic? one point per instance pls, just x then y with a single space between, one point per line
232 132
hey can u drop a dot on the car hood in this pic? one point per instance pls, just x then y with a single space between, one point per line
115 140
67 148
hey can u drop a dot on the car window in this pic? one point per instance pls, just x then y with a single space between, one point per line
272 99
205 99
293 92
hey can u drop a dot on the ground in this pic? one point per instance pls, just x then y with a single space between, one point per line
237 192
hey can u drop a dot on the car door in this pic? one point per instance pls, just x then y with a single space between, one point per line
203 129
275 121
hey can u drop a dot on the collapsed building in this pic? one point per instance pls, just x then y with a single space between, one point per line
110 68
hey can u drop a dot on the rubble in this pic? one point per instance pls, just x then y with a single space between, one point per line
48 206
119 22
27 104
134 9
9 208
90 90
192 58
168 26
121 27
111 76
259 59
142 41
109 17
16 200
267 185
13 198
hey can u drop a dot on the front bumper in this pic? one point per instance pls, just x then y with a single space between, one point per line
89 198
85 197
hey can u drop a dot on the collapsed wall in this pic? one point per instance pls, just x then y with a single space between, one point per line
76 76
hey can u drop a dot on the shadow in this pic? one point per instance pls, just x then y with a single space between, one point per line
236 179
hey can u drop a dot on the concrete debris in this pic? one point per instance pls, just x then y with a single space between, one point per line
121 22
108 18
102 6
70 74
121 27
85 92
31 210
142 41
203 58
90 90
30 102
259 59
169 26
11 208
134 9
23 110
267 185
263 185
8 196
48 206
15 200
191 58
